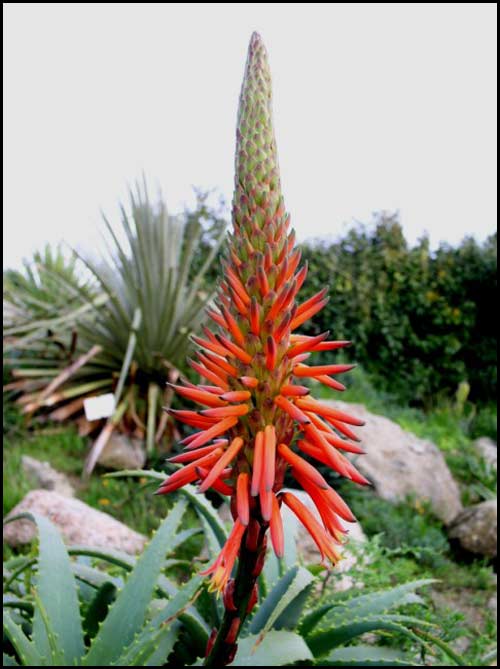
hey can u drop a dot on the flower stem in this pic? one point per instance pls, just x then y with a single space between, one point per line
249 567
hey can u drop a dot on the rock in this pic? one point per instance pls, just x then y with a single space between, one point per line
78 523
487 448
461 645
476 528
492 605
399 464
42 475
122 452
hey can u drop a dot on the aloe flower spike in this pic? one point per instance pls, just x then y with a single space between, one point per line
252 362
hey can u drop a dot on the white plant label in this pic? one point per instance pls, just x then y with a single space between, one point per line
102 406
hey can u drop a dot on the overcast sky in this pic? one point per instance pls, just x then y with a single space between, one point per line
377 106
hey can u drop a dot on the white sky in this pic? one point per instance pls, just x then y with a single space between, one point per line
377 106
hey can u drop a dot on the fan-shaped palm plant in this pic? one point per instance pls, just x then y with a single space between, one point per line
137 340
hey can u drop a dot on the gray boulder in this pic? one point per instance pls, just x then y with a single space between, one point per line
487 449
78 522
399 464
122 452
42 475
476 528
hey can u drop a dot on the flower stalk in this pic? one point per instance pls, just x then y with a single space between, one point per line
258 419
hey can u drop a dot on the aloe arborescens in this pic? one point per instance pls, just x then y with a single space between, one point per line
253 363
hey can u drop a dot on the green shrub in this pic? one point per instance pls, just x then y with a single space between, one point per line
421 321
485 422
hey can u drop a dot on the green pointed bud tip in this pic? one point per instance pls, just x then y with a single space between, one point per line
257 197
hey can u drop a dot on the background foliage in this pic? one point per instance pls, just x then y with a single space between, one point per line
421 321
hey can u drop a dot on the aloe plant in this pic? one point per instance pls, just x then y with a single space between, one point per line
289 625
136 622
82 615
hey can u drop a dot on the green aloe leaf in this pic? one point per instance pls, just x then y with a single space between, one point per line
95 577
25 649
213 544
362 605
10 602
9 661
366 656
205 509
56 589
57 652
291 615
111 555
126 617
146 642
164 646
276 649
325 640
281 596
424 634
181 537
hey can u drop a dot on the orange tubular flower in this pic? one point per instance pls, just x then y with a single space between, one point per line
258 413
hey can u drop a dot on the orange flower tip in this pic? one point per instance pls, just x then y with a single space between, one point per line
303 467
189 456
293 390
258 464
292 410
222 412
276 529
249 381
221 463
265 506
215 390
236 396
242 500
271 353
268 467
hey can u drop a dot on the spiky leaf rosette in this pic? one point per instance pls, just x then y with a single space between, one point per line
259 419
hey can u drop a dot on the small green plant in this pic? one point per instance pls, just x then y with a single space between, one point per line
484 423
